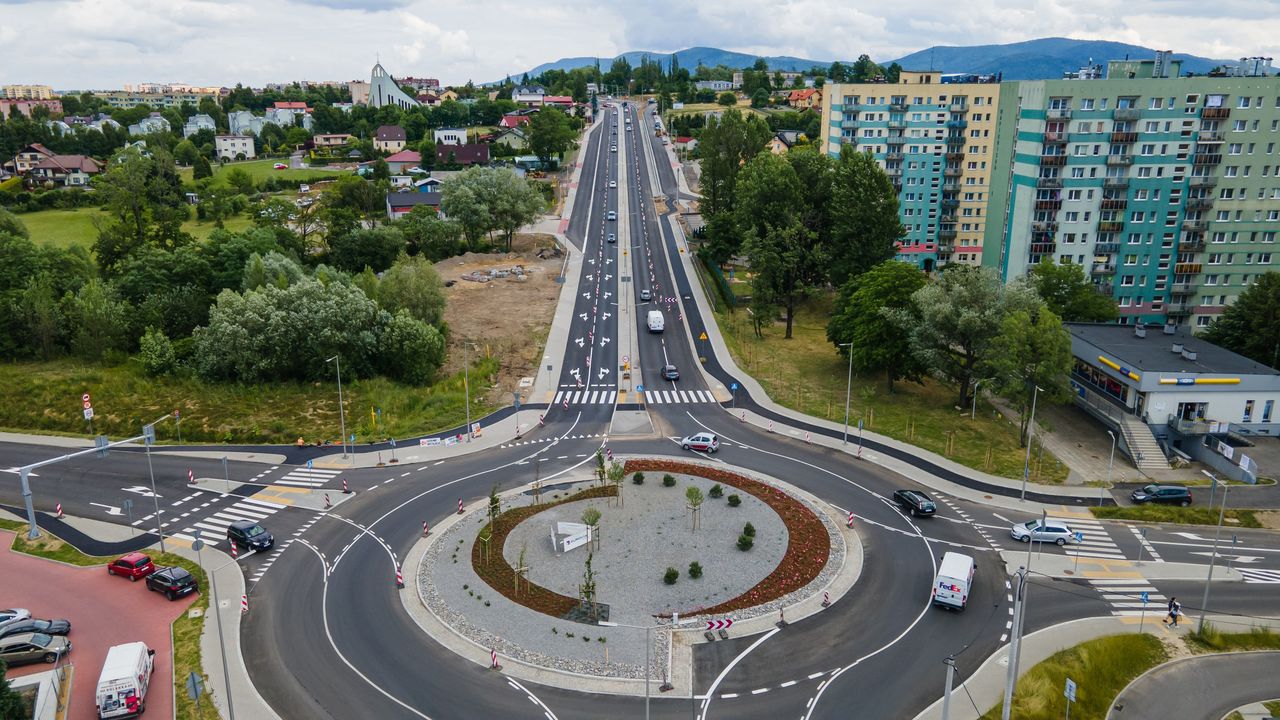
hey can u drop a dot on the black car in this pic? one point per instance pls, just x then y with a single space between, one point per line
48 627
669 372
249 534
1162 494
915 502
174 582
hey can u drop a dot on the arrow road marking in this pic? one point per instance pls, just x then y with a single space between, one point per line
111 509
141 491
583 316
579 341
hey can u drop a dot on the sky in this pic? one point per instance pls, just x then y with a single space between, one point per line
103 44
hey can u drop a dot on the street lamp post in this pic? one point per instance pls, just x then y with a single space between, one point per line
648 646
1031 429
1217 535
973 410
149 437
342 412
1015 641
848 385
217 612
1110 462
466 386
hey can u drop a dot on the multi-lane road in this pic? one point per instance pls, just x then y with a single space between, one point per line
329 637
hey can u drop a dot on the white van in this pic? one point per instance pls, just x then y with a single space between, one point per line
656 322
122 686
955 578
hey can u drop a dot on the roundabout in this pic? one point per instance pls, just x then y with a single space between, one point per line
560 600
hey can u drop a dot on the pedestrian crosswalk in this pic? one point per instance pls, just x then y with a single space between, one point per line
213 527
307 477
1096 543
651 397
661 397
1260 576
1124 595
586 397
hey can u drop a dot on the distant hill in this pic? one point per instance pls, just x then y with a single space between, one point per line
1041 59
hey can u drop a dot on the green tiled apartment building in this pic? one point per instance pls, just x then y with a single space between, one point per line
1165 188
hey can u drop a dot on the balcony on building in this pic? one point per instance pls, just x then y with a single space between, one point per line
1200 203
1192 243
1045 226
1203 181
947 234
893 156
1184 288
849 122
1043 248
954 156
1110 225
1114 203
1206 158
958 107
1104 269
1048 183
952 172
1055 138
896 139
1196 226
1124 137
1126 114
897 106
1106 248
947 218
1053 160
1049 204
1188 268
893 172
1209 136
950 187
958 124
1115 183
1215 113
1105 288
950 203
955 139
1177 311
897 124
1058 113
1120 159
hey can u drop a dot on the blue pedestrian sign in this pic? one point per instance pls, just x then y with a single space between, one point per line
1145 598
353 438
310 464
639 388
1079 537
393 442
733 386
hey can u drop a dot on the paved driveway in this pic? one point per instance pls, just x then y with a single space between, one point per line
103 611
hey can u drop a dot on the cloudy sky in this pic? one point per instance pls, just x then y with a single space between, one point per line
81 44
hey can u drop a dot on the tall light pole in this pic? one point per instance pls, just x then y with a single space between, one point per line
1222 510
342 412
149 437
1015 641
213 588
466 386
1110 462
648 646
1031 429
848 385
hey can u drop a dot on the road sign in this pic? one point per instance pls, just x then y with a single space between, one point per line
639 388
85 398
1079 537
195 687
88 413
310 464
177 415
724 624
1145 597
703 336
1070 690
733 386
88 405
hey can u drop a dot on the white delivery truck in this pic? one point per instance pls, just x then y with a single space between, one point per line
955 579
126 675
655 322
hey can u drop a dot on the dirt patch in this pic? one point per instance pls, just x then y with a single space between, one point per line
505 317
1269 520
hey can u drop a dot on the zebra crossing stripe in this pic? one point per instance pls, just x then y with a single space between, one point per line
1260 576
559 394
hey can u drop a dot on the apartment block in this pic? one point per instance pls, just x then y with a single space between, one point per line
1166 189
26 92
935 136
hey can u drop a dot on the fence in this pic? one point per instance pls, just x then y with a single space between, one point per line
722 285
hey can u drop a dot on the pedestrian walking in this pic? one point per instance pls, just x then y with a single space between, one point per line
1175 609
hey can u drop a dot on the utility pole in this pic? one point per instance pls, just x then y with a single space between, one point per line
1217 535
946 694
848 384
1031 430
1015 641
342 412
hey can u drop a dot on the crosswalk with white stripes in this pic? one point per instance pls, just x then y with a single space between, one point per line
213 527
1252 575
307 477
586 397
1096 544
651 397
1124 595
666 397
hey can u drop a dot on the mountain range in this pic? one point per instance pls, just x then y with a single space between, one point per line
1040 59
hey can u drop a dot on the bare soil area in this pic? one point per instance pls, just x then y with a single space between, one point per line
505 317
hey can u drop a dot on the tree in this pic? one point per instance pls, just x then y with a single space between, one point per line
381 171
759 98
550 134
144 203
482 200
1032 350
413 285
617 473
727 99
156 353
410 350
11 705
9 223
726 144
873 314
201 169
864 216
376 248
864 70
693 496
428 235
185 152
1251 325
960 315
1068 293
100 320
41 316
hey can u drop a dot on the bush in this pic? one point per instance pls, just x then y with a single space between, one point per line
638 478
668 480
695 569
749 530
734 501
716 491
745 542
670 576
157 353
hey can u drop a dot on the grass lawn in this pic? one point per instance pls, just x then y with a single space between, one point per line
64 228
186 629
1185 516
45 397
1213 640
805 374
260 170
1101 668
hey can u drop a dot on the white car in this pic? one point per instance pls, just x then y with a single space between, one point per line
1054 531
613 183
612 215
613 148
702 442
13 615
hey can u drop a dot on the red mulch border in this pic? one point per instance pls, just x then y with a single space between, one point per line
808 544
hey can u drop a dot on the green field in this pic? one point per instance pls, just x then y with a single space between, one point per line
64 228
260 170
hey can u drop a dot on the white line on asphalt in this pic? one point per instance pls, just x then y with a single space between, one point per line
727 668
788 683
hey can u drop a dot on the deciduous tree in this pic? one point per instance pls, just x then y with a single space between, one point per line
864 216
1069 294
413 285
873 314
1032 350
1251 324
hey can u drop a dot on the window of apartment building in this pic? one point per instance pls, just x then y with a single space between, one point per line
1126 281
1077 172
1214 259
1269 236
1273 215
1144 172
1230 171
1060 103
1264 258
1126 301
1081 150
1152 126
1242 103
1192 99
1086 103
1126 102
1072 216
1210 279
1130 259
1137 216
1234 148
1213 101
1239 125
1073 195
1156 103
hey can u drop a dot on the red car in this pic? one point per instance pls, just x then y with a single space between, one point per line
133 566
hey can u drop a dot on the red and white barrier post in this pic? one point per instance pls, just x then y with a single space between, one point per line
770 426
191 478
849 522
808 439
327 503
459 506
235 551
542 421
57 511
244 603
743 417
826 599
493 659
399 579
426 528
345 489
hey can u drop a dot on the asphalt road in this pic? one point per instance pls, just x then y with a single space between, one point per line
1206 687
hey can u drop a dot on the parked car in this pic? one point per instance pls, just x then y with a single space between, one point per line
646 295
249 534
133 565
280 166
1162 494
915 502
47 627
13 615
174 582
1054 531
669 372
33 647
703 442
611 215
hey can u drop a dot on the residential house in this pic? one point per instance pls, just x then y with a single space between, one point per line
333 139
343 106
512 138
233 147
58 127
428 99
66 170
104 121
447 95
473 154
297 108
400 204
529 95
243 122
451 136
686 143
513 120
153 123
716 85
389 139
198 122
807 98
404 160
563 102
784 140
24 107
30 156
420 84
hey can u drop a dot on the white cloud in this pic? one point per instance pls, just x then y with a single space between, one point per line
106 43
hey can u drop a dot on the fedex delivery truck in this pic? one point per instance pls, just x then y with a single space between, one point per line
955 579
126 675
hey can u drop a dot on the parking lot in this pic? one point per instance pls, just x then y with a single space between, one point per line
103 610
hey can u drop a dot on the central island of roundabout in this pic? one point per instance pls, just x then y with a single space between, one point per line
605 580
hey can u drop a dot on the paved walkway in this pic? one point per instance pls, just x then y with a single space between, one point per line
1208 686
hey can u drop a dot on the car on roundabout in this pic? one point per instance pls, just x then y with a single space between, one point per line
702 442
915 502
1054 531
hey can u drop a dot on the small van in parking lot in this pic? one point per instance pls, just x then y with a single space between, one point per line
126 675
955 579
655 321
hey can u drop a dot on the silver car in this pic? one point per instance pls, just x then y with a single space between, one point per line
33 647
1054 531
13 615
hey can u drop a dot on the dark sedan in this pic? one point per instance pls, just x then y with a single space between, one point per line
1162 495
915 502
47 627
174 582
669 372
